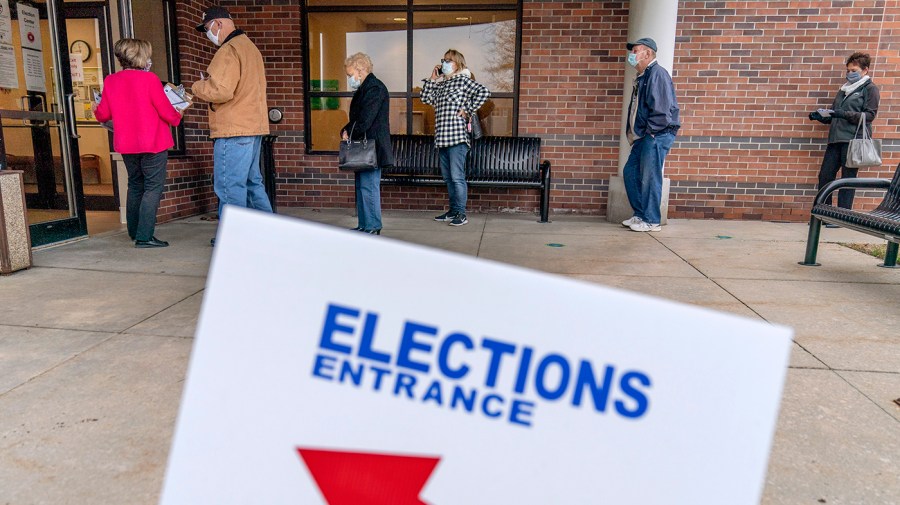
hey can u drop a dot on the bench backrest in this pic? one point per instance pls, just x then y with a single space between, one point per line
491 159
505 159
414 155
891 203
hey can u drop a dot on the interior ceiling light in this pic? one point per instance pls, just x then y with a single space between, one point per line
462 19
399 19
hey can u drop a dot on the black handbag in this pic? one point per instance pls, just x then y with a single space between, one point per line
475 129
357 155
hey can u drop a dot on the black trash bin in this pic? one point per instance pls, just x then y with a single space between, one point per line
267 166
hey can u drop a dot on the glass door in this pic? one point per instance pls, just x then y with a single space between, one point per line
39 132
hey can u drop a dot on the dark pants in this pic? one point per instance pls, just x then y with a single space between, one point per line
835 157
146 180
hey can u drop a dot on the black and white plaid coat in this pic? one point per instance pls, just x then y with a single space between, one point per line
448 97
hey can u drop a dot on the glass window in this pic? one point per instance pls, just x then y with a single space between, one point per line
496 117
464 2
405 43
486 39
154 21
334 36
332 114
347 3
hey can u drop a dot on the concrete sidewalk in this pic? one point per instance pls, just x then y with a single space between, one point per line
95 339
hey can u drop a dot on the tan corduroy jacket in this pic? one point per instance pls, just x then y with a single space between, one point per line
235 90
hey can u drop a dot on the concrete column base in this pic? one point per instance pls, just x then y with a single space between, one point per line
617 207
122 182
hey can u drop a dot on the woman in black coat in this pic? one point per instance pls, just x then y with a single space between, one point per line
369 118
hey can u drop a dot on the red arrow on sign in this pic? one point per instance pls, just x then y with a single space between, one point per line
351 478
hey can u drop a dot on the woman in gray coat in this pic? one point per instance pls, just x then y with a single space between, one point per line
856 100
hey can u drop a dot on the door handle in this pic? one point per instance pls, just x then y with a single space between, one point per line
70 119
25 105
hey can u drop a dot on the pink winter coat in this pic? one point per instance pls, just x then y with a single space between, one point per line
140 112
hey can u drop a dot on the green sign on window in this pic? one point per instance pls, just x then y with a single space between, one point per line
320 103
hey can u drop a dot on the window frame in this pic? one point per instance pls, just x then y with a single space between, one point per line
170 30
410 8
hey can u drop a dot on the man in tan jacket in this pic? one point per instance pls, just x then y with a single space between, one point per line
238 115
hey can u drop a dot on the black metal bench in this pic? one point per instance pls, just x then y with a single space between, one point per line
883 222
511 162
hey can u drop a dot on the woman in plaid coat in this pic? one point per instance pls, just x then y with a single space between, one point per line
456 97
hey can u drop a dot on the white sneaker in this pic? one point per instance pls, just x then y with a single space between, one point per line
644 226
630 221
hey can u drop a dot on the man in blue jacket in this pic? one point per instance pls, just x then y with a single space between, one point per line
651 128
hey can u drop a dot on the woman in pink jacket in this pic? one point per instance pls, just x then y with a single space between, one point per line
141 115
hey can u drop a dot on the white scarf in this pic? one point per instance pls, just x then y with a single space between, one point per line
849 87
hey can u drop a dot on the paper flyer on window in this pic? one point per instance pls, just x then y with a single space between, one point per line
5 23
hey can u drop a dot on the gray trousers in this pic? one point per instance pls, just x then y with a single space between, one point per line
146 181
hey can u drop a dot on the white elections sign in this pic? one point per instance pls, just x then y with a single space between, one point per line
336 367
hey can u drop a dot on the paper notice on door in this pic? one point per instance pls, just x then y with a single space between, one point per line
9 74
5 23
34 70
76 65
29 26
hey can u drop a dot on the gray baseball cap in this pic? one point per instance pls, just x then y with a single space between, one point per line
646 41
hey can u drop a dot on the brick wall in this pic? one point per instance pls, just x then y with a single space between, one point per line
747 74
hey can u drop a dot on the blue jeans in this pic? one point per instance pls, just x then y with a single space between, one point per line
453 169
368 199
643 175
236 177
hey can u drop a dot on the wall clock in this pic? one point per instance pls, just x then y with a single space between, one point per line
80 46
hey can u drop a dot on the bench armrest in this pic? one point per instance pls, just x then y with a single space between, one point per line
856 183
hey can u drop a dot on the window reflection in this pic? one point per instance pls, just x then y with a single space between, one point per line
327 122
496 117
333 36
487 39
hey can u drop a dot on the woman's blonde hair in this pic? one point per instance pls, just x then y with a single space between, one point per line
359 61
458 58
133 53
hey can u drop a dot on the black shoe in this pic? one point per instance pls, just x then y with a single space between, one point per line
153 242
358 228
212 242
446 216
829 225
459 220
373 232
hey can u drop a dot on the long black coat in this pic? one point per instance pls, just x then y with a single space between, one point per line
370 111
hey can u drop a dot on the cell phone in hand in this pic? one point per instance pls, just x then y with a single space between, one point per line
440 68
96 97
825 112
202 76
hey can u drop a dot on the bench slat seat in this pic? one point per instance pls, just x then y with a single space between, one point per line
512 162
883 222
878 223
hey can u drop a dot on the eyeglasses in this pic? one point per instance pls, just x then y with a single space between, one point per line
447 61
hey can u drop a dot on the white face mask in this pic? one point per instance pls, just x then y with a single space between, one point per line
353 82
213 38
447 67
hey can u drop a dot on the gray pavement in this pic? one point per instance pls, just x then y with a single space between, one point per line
95 340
